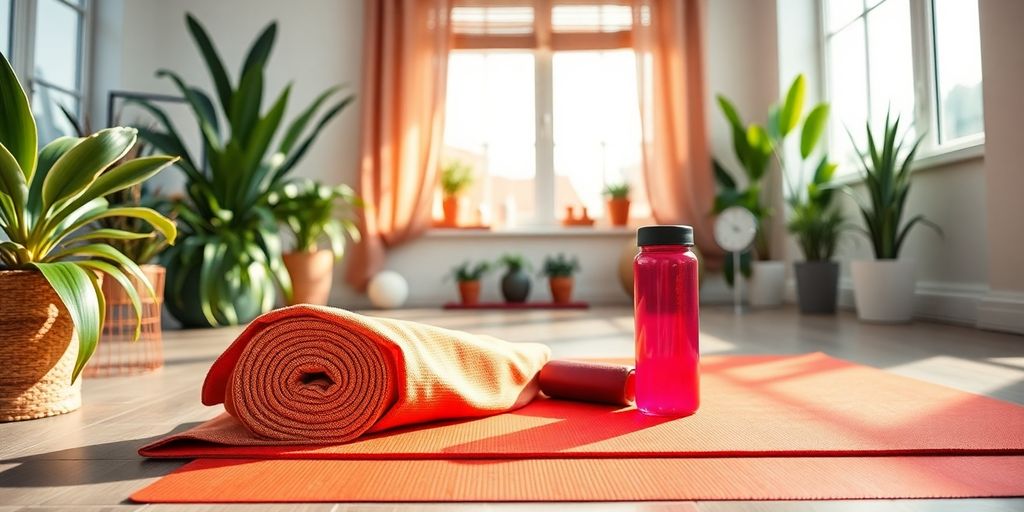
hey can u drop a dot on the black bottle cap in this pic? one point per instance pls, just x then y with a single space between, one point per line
664 235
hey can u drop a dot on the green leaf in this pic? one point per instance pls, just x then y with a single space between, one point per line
118 275
79 294
160 223
123 176
814 127
17 126
108 253
260 50
722 176
213 62
169 141
12 183
291 135
245 105
297 155
73 172
207 119
47 157
789 114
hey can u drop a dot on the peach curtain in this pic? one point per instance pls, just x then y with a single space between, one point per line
668 39
405 69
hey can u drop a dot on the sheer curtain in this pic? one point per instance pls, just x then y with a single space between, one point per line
668 39
405 64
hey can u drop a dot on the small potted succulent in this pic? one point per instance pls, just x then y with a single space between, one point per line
559 269
516 282
468 276
456 178
617 195
314 212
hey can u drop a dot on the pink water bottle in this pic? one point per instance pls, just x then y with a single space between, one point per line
667 326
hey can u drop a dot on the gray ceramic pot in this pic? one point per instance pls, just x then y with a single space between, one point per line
817 284
515 285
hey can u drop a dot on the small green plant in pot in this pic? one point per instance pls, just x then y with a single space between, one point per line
617 195
228 266
54 259
315 212
817 224
560 270
468 276
884 287
516 282
456 178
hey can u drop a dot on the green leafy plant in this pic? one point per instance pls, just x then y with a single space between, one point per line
887 173
560 265
617 190
514 262
314 211
230 247
815 222
456 178
467 271
50 201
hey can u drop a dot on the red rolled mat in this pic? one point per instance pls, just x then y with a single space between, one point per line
760 406
308 374
589 381
252 481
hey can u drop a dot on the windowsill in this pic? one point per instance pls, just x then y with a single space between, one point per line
966 151
532 231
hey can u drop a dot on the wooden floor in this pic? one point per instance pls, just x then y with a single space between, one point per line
87 460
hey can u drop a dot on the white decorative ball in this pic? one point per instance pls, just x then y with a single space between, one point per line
388 290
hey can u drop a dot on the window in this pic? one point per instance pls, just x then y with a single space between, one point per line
5 27
58 65
543 106
919 58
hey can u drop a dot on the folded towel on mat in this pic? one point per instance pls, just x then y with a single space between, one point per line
307 374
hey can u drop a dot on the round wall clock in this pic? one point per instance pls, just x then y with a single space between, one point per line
735 229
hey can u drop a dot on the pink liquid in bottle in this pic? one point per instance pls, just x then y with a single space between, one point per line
667 324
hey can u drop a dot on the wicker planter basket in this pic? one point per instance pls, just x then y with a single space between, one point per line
38 348
117 353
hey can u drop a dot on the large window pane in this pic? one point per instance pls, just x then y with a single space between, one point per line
958 66
50 121
490 125
596 128
892 62
847 81
57 44
840 12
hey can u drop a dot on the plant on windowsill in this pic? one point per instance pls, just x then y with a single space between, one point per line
617 195
884 287
456 178
228 265
559 269
468 276
315 212
51 263
516 282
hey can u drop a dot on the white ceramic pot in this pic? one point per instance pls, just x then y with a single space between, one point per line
767 284
884 290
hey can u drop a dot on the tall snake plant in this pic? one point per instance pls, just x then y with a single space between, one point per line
230 251
50 201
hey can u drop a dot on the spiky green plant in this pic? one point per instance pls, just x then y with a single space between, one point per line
887 180
230 254
815 221
514 262
456 178
467 271
314 211
50 201
617 190
560 265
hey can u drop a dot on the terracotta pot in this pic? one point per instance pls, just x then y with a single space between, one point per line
450 205
118 352
561 289
470 292
38 348
618 211
312 274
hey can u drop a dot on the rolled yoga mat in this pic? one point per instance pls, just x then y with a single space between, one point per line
308 374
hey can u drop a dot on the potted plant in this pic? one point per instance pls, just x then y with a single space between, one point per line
559 269
617 195
816 224
515 284
456 178
314 212
228 265
51 303
883 288
468 276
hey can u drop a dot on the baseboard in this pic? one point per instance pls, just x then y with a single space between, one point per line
953 303
1002 311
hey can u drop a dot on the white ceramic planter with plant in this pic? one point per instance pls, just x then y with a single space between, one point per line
51 263
883 288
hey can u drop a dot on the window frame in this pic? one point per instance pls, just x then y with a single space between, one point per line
925 86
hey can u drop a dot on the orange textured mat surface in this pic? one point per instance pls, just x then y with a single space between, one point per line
753 406
248 481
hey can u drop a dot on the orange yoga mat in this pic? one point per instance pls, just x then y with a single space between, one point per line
316 374
753 406
250 481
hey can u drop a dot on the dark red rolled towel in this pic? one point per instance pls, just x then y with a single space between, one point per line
588 382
